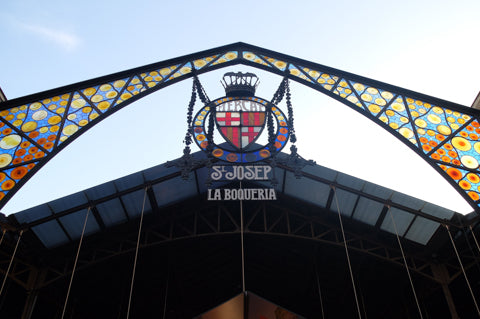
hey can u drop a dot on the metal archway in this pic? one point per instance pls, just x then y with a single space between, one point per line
36 127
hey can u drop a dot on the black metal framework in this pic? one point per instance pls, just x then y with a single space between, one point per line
198 220
213 219
290 221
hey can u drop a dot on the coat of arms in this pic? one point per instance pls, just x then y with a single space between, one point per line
242 125
240 117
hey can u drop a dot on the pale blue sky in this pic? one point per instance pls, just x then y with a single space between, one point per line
426 46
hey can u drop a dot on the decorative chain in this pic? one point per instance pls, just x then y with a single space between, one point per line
187 162
201 91
293 137
278 96
271 133
211 126
188 136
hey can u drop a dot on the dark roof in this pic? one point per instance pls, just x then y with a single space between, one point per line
190 257
57 222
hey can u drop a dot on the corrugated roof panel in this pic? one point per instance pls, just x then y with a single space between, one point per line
111 212
377 190
73 223
68 202
129 181
422 230
368 211
437 211
101 191
350 181
346 201
402 220
174 190
33 214
134 203
50 234
307 189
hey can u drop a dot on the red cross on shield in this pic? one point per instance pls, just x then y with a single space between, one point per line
240 128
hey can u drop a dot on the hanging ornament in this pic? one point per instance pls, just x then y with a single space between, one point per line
187 163
294 160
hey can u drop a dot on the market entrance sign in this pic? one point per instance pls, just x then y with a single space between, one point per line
241 173
252 131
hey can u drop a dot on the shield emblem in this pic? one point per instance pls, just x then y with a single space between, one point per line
240 128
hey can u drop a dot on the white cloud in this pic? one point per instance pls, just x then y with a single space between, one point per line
67 41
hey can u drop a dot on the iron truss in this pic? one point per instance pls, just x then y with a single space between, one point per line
36 127
189 221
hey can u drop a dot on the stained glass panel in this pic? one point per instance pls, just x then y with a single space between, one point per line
445 134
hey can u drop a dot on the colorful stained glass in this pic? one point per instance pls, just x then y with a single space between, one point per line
444 135
229 56
250 56
204 62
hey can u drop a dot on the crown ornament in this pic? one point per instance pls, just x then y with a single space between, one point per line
240 84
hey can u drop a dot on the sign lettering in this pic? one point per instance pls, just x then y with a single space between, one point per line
240 105
235 172
242 194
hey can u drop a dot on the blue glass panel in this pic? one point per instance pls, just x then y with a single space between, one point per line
101 191
73 224
174 190
133 203
437 211
346 201
307 189
377 190
68 202
50 234
407 201
202 175
158 171
112 212
129 181
350 181
368 211
278 175
402 220
422 230
33 214
321 171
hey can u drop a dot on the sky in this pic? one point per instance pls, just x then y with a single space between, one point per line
426 46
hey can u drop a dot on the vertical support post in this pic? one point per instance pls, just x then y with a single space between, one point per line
11 262
463 270
346 252
441 275
136 253
75 263
242 244
35 281
406 264
317 278
29 304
